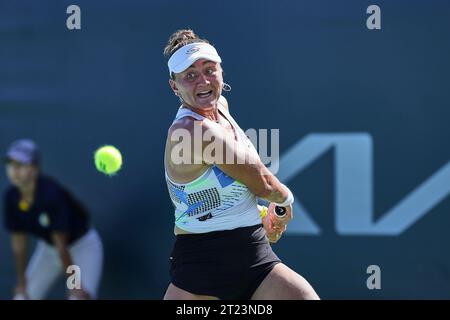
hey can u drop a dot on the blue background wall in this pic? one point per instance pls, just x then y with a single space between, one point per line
302 66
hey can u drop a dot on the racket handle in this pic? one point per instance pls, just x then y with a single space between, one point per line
280 211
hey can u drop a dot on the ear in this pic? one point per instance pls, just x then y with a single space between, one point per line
173 85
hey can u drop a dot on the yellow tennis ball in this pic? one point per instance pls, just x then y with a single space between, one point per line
263 212
108 160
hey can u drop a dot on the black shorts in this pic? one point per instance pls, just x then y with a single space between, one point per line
228 264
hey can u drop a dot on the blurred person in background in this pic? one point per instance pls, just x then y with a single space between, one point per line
36 205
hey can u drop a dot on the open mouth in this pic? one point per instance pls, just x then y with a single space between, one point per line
204 94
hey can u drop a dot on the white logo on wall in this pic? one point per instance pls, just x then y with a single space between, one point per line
44 219
353 166
73 21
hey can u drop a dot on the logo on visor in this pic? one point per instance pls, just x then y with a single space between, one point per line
192 50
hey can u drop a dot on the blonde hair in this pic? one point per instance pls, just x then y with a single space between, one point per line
179 39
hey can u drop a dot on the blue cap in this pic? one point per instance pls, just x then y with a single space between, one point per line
24 151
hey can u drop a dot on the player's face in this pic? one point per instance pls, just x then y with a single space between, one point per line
200 85
19 174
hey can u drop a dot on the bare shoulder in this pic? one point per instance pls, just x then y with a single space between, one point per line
189 132
186 123
182 161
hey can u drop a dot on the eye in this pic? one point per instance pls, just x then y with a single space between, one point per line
209 71
190 76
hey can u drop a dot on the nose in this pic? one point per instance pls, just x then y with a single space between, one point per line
202 79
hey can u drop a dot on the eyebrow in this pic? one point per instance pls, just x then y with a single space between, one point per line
204 62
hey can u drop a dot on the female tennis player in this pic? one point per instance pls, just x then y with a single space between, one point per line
35 204
222 248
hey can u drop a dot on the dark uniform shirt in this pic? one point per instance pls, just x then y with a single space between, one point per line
54 209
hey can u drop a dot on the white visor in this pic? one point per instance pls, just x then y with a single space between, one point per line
187 55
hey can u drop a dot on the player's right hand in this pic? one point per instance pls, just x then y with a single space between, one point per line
274 225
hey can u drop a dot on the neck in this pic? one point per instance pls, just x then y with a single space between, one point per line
211 113
28 189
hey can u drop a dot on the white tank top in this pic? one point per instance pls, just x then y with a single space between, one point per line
214 201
